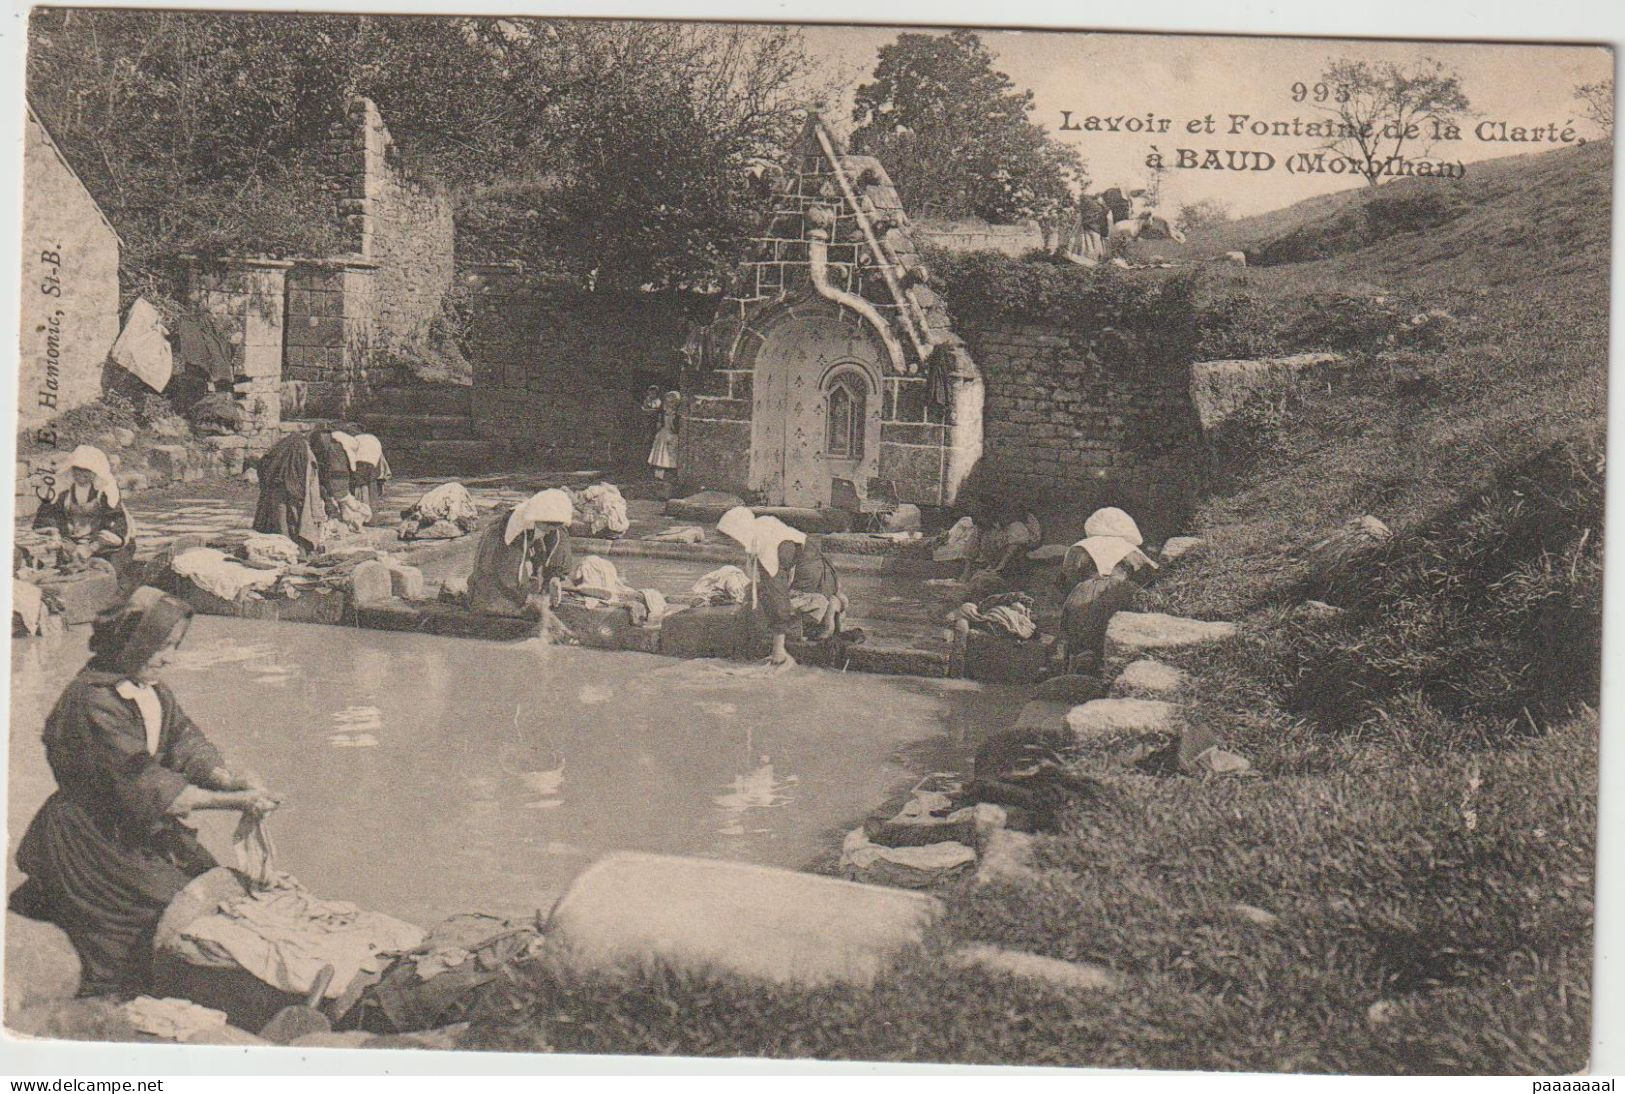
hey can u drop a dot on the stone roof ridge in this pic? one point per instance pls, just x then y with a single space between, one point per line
870 194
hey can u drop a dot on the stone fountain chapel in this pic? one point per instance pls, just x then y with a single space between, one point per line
831 368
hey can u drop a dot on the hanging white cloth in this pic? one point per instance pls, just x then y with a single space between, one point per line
142 347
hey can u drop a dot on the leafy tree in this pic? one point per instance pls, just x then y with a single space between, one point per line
1196 215
1383 108
955 135
1597 103
612 143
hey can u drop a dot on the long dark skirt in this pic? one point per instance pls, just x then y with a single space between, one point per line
284 489
107 893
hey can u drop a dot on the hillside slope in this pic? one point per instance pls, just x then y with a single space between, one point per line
1518 360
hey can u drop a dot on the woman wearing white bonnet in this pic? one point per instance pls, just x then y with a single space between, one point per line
795 586
1111 542
523 557
88 512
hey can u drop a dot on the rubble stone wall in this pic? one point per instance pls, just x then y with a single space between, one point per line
559 374
396 219
1065 415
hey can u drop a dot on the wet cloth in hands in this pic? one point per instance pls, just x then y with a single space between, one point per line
284 935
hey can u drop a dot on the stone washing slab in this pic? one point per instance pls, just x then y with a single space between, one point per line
1132 635
1043 714
632 910
1148 678
1074 975
1116 718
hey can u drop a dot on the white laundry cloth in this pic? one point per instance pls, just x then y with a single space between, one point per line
142 347
221 575
28 605
725 584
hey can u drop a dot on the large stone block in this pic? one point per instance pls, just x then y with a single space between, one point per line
41 964
701 915
1044 715
1132 635
1148 679
371 583
1113 718
1001 660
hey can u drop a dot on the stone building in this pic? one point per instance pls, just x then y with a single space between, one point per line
313 336
830 360
70 287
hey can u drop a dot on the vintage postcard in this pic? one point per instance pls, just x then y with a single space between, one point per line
828 542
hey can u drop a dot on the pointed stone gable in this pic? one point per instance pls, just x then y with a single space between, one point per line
870 253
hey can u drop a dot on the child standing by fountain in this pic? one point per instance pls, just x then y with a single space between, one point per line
663 452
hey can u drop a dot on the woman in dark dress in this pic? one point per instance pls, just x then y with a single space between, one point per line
89 514
302 479
523 557
796 587
107 852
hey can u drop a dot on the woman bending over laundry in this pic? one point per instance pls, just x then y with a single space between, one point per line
108 851
303 479
523 558
89 514
795 586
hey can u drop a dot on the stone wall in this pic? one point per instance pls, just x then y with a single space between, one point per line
70 290
1067 416
1014 240
395 219
249 297
559 374
331 330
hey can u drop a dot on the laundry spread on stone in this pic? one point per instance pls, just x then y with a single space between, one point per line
218 573
285 935
1005 614
724 585
600 510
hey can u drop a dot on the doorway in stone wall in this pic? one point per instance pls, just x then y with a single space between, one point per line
816 408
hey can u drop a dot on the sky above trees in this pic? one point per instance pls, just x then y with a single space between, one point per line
1184 76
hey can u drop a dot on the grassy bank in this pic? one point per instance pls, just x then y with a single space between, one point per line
1421 829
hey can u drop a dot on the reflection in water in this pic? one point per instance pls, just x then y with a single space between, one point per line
456 775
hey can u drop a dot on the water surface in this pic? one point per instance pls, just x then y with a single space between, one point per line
426 776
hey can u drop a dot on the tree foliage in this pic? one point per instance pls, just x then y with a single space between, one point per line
619 146
1384 108
956 137
1597 104
1197 215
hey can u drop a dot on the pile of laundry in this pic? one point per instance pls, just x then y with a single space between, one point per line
600 511
266 567
463 965
1004 614
446 512
34 610
596 582
286 936
929 839
724 585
